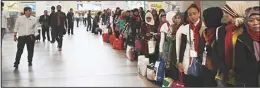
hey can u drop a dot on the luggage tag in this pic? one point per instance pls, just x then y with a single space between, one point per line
204 58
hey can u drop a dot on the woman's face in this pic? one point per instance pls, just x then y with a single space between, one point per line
228 18
127 14
164 19
253 22
193 15
148 19
154 12
177 20
131 13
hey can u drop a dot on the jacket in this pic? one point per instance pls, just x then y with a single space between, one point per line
246 66
43 21
63 20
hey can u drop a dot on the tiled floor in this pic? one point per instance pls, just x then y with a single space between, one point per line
84 62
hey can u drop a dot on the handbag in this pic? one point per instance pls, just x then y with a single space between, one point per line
138 45
178 84
142 64
195 67
167 82
150 72
151 46
159 65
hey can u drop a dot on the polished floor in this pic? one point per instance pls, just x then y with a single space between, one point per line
85 61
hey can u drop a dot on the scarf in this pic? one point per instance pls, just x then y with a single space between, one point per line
196 33
255 35
209 35
228 44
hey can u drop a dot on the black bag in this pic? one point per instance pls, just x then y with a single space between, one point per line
38 37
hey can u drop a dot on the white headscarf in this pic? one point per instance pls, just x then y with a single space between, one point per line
236 8
149 14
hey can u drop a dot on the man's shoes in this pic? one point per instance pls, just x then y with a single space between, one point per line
30 64
16 66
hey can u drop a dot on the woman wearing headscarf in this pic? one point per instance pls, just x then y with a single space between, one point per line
224 54
247 50
191 33
212 19
156 18
168 44
146 35
244 63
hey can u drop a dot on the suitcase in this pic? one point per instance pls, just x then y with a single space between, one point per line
105 37
112 39
118 44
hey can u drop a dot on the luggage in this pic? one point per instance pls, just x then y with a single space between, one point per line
167 82
138 45
130 53
105 37
178 84
118 44
98 30
142 64
159 66
151 46
150 72
112 39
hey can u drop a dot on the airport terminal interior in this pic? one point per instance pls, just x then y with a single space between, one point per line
89 57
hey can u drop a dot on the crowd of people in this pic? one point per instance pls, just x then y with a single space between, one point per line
208 52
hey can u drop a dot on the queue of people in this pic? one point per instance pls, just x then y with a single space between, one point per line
208 52
192 51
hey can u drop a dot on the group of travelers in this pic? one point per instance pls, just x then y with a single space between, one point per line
208 51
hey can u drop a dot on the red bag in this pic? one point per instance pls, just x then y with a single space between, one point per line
105 37
138 45
178 84
118 44
112 39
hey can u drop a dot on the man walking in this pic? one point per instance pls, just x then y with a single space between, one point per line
58 22
70 17
44 21
26 27
89 17
50 22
